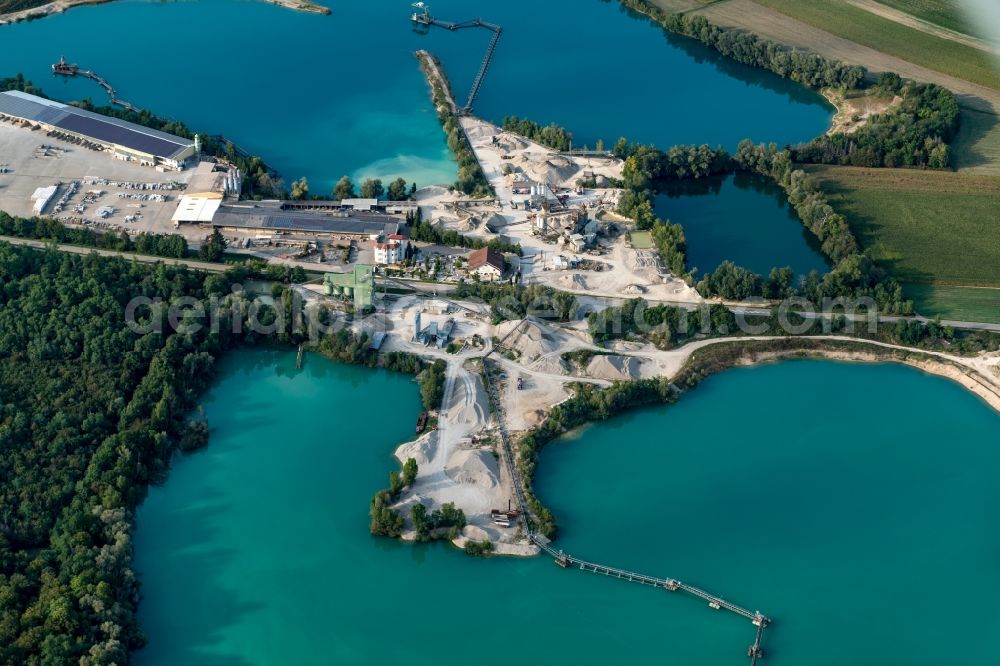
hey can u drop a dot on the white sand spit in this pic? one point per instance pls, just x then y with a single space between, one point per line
476 467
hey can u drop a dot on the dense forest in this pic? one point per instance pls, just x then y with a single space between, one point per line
91 412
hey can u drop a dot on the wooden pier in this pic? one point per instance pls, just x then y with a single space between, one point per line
63 68
423 17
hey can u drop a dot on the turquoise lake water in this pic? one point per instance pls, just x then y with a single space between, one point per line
323 96
857 505
744 218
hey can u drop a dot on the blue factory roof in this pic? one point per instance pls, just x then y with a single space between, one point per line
102 129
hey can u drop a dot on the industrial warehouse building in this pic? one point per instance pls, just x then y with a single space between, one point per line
126 140
262 217
210 184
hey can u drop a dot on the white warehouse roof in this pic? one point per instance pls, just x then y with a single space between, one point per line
199 208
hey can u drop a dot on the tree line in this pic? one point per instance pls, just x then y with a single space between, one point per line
808 68
426 231
648 170
552 136
588 403
371 188
173 246
471 179
914 134
516 301
676 325
853 275
670 327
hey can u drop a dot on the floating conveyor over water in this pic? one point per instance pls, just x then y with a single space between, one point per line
422 16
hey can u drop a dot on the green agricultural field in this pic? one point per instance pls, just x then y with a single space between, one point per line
925 227
862 27
955 303
944 13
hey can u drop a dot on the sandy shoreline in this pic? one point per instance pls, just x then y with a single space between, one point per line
461 462
967 378
60 6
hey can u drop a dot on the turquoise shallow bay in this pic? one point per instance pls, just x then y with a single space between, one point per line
323 96
855 527
857 505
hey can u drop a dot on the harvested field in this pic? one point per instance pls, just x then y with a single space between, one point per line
766 22
862 27
947 12
943 13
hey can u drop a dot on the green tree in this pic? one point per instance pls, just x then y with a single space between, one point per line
300 188
409 471
214 247
344 189
386 521
372 188
621 148
397 190
419 516
432 385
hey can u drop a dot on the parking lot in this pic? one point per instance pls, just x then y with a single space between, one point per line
108 193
